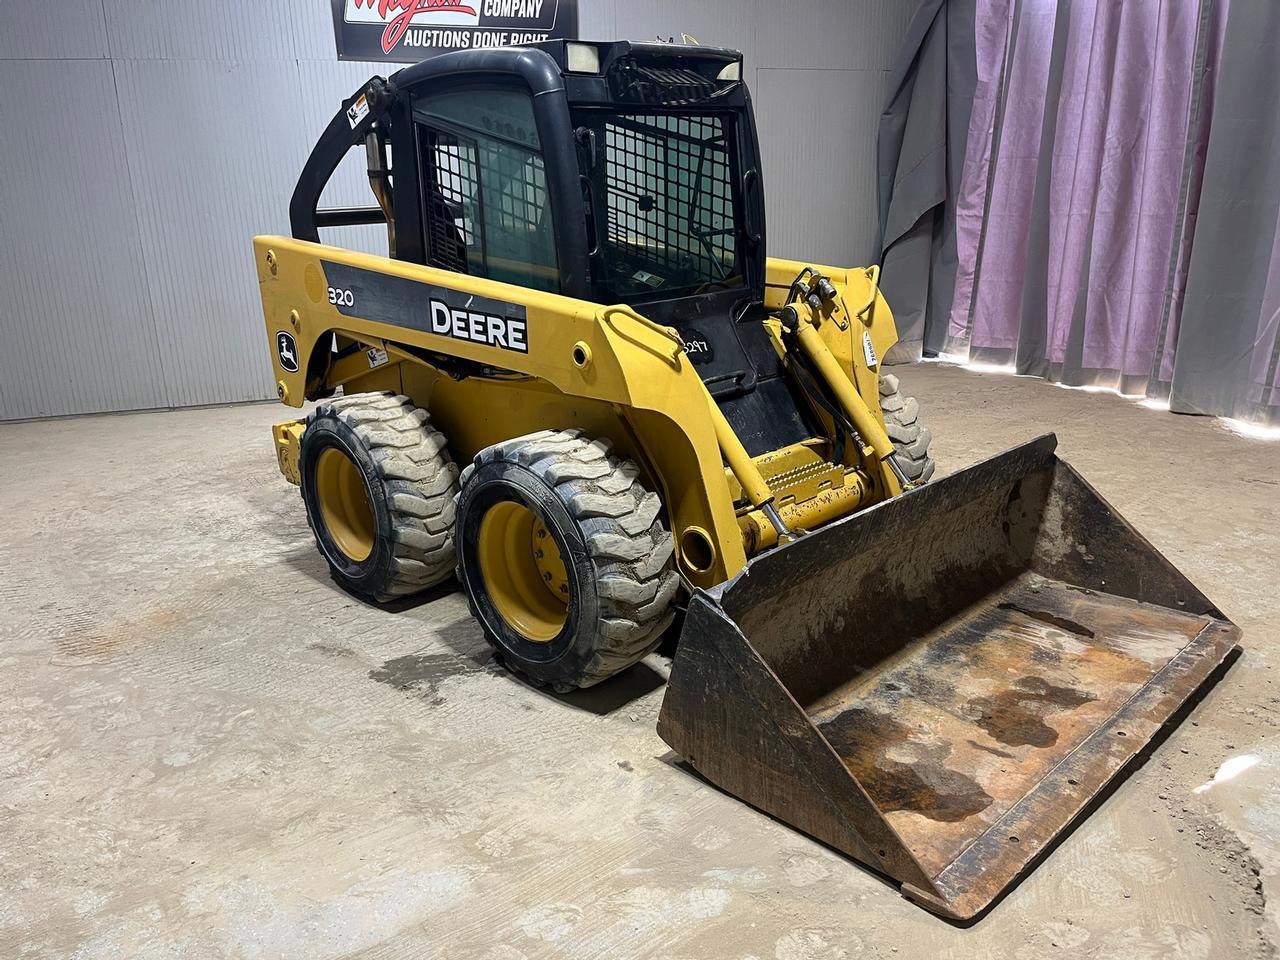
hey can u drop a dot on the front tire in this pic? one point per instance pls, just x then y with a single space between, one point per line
379 488
566 563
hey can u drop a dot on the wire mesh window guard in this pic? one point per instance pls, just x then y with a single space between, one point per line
668 206
486 211
449 185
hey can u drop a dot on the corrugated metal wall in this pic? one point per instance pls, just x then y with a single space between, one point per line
145 143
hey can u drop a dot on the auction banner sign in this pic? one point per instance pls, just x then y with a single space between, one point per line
406 31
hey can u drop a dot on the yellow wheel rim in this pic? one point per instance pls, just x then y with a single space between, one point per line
523 571
344 503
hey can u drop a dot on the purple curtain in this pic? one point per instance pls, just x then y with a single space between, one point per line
991 42
1109 153
1109 107
1003 159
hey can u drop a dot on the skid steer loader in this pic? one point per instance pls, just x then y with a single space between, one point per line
655 421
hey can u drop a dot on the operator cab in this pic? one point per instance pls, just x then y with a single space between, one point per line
615 173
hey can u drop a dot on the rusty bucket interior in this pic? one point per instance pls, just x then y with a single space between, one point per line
938 686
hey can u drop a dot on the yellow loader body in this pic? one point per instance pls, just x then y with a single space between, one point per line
603 369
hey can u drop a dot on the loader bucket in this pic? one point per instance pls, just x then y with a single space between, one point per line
938 686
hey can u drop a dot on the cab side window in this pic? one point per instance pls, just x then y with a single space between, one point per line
486 211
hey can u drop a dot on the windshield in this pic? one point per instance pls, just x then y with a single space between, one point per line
662 206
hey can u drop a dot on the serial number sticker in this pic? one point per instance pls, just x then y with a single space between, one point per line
867 348
648 278
377 356
357 111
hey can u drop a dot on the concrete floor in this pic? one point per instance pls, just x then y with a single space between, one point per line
207 750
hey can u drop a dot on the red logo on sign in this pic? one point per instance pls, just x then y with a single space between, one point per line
399 15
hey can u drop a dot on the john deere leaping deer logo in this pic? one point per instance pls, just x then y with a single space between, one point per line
287 350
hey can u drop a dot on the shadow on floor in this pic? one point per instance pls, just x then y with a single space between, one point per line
468 653
307 560
608 696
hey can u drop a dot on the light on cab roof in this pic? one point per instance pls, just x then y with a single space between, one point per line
583 58
731 71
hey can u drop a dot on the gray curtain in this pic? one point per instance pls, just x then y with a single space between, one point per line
920 159
1228 351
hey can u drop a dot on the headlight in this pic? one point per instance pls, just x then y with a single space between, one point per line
583 58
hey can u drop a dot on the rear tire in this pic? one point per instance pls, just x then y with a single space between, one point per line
379 487
566 563
910 438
